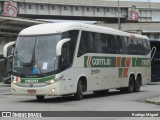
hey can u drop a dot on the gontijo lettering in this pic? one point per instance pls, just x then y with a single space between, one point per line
146 62
101 61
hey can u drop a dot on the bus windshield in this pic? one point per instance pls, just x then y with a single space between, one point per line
36 52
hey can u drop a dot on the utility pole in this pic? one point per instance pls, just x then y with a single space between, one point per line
119 22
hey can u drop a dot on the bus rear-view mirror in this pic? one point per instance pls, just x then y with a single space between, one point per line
59 46
6 49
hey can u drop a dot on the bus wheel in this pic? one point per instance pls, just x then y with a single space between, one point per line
79 94
101 92
40 97
131 84
137 85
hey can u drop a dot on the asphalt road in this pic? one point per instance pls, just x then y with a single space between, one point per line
113 101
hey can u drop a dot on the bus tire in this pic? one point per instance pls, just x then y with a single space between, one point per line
79 94
101 92
40 97
131 84
137 84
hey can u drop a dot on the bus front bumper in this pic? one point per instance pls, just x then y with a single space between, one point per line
47 90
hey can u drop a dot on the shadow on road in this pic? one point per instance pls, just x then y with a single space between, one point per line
71 98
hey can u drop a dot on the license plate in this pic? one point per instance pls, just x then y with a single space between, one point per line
31 91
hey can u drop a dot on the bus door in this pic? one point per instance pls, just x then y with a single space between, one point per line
155 63
65 64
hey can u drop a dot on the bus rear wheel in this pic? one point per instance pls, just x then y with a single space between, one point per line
40 97
137 85
131 85
79 94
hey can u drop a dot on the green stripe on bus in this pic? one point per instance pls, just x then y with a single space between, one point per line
123 62
99 61
40 80
133 62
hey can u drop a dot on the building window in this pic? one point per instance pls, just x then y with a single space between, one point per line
107 9
98 10
87 8
76 8
53 7
41 6
30 6
65 7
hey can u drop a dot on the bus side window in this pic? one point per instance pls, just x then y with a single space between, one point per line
104 43
73 35
111 49
124 44
66 56
146 45
97 43
131 46
86 43
140 48
119 44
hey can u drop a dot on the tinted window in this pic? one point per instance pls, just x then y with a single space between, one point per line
140 47
131 46
98 42
146 46
105 43
121 45
137 46
68 48
86 43
111 44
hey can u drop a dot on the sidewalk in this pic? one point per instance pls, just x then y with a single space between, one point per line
154 100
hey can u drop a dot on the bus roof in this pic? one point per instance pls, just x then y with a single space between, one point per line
52 28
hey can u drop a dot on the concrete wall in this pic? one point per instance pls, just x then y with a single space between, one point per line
69 10
152 30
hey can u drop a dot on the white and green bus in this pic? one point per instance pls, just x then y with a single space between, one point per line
59 59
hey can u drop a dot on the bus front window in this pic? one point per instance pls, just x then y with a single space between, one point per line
45 53
36 51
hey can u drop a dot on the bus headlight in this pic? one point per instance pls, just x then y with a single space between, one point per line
55 80
52 90
14 82
50 82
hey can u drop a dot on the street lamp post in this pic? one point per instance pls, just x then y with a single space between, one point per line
119 24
